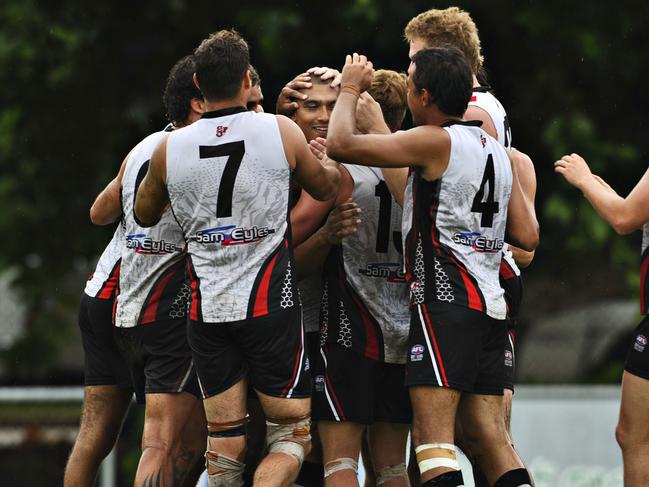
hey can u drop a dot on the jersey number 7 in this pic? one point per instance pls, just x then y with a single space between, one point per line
235 152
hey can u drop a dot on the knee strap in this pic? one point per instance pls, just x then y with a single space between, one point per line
344 463
391 472
223 471
291 436
436 455
228 429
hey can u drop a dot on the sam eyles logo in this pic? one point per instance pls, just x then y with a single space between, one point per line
479 242
145 245
233 235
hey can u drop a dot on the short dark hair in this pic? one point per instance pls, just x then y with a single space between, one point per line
180 90
221 63
254 76
447 76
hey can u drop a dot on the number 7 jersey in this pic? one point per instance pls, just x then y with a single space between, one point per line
228 183
454 226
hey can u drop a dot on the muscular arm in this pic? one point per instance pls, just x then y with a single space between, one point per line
522 226
320 180
107 206
527 179
624 214
341 222
308 213
152 197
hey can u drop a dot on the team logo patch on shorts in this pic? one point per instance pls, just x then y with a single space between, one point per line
509 359
417 353
640 343
319 383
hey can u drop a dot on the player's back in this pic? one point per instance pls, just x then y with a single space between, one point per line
228 183
484 99
456 224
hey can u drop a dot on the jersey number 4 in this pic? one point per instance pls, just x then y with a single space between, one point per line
235 152
486 207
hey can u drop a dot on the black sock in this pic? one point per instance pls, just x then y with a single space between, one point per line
448 479
514 478
478 476
311 475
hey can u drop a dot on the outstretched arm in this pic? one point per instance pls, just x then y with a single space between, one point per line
107 206
624 214
152 198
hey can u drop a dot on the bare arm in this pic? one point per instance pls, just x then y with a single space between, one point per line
522 226
107 206
527 178
341 222
320 180
426 146
152 198
308 213
369 119
624 214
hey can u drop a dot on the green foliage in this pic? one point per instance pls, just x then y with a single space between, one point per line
82 82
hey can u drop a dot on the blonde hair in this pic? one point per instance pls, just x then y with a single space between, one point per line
448 27
390 90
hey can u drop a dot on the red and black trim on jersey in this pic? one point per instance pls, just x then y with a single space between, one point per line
465 289
644 282
166 299
109 287
512 284
363 334
195 307
266 294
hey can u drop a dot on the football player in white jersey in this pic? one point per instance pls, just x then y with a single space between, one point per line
227 180
455 27
364 323
103 414
463 194
625 215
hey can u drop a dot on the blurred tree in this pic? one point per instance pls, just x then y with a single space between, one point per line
82 83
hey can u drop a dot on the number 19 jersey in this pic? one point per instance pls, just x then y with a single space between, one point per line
455 225
228 183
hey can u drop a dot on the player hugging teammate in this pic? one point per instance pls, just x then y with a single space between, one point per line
397 239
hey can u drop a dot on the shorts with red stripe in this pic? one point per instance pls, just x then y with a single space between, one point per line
269 350
351 387
159 358
455 347
637 360
103 362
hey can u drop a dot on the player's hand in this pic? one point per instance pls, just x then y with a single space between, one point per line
342 222
325 74
287 99
573 167
357 73
318 147
369 116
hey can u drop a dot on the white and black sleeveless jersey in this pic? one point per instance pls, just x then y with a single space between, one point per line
365 298
102 283
152 277
483 98
644 271
456 228
228 182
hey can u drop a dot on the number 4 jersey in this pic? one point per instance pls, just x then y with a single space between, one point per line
228 182
455 225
